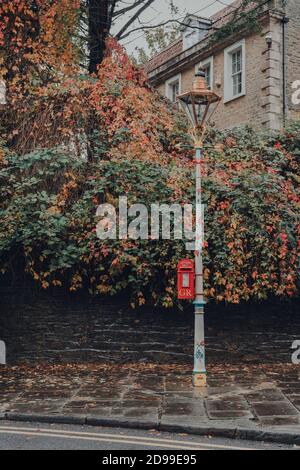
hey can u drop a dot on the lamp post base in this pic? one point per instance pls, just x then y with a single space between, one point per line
199 379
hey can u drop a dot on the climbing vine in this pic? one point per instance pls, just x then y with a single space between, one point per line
37 43
246 16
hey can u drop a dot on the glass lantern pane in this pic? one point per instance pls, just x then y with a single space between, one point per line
187 108
202 107
195 107
192 113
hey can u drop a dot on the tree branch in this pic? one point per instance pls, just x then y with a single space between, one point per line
143 28
133 18
124 10
111 13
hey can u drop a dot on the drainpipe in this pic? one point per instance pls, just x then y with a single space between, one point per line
285 20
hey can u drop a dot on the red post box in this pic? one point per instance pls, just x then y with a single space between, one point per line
186 279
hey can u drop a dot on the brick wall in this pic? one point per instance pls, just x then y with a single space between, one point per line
262 104
293 54
247 109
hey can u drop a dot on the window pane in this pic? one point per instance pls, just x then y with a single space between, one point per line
235 87
175 91
239 61
240 86
233 64
237 72
236 62
207 71
237 84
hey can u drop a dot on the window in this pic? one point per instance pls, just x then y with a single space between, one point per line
174 91
195 29
173 88
208 66
237 74
234 71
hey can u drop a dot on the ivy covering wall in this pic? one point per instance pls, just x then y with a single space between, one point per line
82 141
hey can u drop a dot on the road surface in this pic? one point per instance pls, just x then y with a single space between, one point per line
28 436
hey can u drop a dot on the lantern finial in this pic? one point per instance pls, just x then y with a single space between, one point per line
199 83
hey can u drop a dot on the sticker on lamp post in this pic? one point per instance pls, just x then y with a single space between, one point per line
200 351
2 353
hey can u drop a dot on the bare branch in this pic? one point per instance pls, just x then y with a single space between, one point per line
111 13
123 30
143 28
124 10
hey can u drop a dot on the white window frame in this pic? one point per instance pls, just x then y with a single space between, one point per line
205 63
171 82
228 81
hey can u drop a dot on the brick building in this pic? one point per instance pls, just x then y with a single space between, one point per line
255 70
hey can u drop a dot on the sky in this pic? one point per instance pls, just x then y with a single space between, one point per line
159 12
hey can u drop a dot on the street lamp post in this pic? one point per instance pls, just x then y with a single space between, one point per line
196 104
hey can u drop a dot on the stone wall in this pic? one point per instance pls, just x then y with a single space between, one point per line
44 328
272 76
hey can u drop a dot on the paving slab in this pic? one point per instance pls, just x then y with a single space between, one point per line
279 421
277 408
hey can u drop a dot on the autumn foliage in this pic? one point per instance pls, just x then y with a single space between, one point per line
72 141
37 41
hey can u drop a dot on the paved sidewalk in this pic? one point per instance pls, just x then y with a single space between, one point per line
256 397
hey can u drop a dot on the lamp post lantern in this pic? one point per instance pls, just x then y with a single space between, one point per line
196 104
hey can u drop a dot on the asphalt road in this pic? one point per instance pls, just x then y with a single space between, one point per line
28 436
